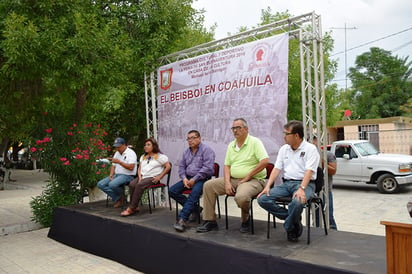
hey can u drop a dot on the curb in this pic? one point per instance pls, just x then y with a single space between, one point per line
18 228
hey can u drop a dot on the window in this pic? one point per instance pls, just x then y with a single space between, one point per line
365 130
340 150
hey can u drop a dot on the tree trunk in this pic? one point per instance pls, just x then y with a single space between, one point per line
4 146
81 97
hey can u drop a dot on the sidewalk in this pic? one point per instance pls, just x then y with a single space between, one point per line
25 247
15 209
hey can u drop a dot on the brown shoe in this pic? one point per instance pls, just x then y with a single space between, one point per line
119 202
127 212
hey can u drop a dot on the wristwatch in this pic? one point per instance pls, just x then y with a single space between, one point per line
302 187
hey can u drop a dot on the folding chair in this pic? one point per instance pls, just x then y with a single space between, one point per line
316 200
269 169
188 191
152 187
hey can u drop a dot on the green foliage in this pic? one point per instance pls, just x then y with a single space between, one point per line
86 60
71 155
380 85
53 196
407 108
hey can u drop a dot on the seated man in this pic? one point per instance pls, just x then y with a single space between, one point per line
123 170
244 174
196 166
299 161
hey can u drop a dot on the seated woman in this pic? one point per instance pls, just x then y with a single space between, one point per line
153 166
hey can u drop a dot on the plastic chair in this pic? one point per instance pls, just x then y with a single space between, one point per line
152 187
269 169
316 200
188 191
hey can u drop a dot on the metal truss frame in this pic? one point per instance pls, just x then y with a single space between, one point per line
307 29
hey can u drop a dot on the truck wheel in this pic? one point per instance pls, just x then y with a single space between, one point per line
387 184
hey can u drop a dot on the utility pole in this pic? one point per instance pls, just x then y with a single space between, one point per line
346 56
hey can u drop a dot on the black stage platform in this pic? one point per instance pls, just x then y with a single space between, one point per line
148 243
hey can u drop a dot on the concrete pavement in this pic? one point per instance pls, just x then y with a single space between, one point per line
25 247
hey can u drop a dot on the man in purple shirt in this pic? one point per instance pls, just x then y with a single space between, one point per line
195 168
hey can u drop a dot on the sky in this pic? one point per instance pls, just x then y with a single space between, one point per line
386 24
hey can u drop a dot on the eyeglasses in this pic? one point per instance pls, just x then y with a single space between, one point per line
149 158
236 128
191 138
288 133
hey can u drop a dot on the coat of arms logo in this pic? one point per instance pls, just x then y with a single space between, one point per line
166 78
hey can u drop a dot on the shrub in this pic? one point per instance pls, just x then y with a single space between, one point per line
71 156
53 196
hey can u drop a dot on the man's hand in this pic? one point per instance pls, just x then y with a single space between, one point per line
230 190
300 195
264 191
116 161
244 180
188 183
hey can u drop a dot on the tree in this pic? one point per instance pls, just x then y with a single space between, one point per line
84 61
380 85
59 58
156 28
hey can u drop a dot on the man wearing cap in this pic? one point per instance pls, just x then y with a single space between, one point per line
123 170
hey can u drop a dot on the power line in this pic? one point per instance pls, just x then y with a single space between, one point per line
379 39
402 46
346 58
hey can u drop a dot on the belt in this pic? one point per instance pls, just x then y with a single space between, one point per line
287 180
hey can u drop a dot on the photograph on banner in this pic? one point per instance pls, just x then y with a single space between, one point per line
209 91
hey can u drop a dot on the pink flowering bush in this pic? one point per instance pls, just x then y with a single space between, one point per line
71 155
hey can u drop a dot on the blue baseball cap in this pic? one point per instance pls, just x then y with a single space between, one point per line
118 142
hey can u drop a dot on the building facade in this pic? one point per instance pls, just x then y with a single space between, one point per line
389 135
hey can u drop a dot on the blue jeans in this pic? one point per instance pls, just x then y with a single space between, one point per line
332 222
113 188
292 214
189 203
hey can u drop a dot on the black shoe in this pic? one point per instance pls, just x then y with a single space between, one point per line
180 225
292 236
298 229
193 215
245 226
207 226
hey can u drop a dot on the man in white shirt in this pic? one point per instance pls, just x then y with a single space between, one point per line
123 170
299 161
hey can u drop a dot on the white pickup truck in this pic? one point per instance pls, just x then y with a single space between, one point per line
359 161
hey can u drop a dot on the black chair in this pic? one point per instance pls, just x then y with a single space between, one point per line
315 200
152 187
269 169
216 168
